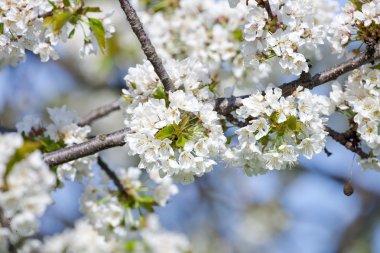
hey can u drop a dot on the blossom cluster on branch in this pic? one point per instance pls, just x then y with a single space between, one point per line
175 121
39 25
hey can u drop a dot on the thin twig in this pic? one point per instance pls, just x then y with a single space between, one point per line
99 113
112 175
146 44
6 130
266 5
347 141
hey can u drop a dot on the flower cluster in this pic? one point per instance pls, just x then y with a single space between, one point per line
39 25
361 101
286 33
207 30
360 20
83 238
177 134
62 131
111 214
279 129
25 186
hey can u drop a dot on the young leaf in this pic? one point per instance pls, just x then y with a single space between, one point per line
165 132
66 3
180 143
292 122
98 30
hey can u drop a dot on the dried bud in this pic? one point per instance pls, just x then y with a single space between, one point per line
348 189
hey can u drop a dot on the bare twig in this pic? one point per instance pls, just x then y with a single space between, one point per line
99 113
369 55
348 140
92 146
266 5
6 130
112 175
146 44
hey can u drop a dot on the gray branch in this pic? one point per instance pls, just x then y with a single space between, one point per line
146 44
99 113
92 146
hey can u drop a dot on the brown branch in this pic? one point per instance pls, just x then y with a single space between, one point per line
6 130
369 55
146 44
112 175
92 146
266 5
348 140
99 113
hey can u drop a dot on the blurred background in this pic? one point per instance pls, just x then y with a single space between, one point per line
300 211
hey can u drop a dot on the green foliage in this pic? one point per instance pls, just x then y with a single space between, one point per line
98 30
166 132
160 93
180 134
238 35
20 154
57 20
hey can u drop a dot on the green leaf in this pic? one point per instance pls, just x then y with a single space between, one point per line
1 28
71 34
57 20
20 154
66 3
52 4
98 30
159 93
165 132
180 143
49 145
130 246
376 67
238 35
91 9
147 202
292 122
183 122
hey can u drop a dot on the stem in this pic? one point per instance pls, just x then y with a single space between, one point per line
146 44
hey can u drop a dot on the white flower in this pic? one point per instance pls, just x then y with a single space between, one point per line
280 131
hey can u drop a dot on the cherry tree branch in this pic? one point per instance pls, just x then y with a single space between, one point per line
225 106
266 5
349 140
6 130
146 44
112 175
99 113
90 147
